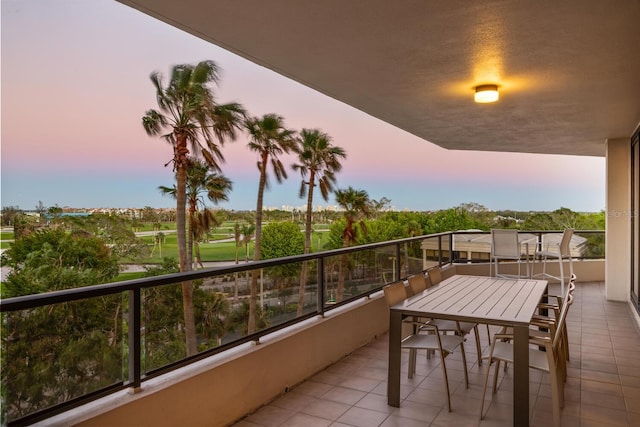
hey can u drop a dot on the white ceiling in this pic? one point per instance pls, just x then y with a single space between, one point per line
568 71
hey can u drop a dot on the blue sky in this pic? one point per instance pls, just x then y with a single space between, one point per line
75 85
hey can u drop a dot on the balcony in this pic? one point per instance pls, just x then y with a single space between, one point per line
335 352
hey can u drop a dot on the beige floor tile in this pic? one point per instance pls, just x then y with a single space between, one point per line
361 417
270 416
604 415
397 421
603 400
606 377
359 383
418 411
344 395
304 420
313 388
375 402
325 409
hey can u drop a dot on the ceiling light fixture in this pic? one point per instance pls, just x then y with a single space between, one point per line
486 93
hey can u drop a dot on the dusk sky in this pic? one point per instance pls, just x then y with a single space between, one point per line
75 85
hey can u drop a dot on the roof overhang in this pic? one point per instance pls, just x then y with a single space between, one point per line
568 71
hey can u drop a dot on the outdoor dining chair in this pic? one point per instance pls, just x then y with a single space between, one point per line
541 324
558 251
420 282
551 359
504 246
556 308
435 341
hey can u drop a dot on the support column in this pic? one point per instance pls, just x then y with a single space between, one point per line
618 220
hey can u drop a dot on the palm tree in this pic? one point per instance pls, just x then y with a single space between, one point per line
269 138
200 179
214 316
188 112
248 230
319 161
242 236
357 207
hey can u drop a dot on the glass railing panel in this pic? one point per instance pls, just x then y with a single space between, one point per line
353 274
412 258
310 290
55 353
437 250
163 340
591 244
277 296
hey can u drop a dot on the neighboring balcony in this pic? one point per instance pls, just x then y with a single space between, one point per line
292 359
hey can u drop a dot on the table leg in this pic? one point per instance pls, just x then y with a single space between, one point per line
526 246
521 376
395 355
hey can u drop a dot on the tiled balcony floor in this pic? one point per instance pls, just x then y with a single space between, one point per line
603 388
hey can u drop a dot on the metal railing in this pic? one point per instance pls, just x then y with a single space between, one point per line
114 336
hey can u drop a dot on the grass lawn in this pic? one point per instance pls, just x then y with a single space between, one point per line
218 251
6 235
129 276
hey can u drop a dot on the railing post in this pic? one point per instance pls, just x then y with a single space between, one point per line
320 292
440 250
135 339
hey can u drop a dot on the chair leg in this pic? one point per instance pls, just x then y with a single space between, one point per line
412 362
478 347
484 389
446 379
486 376
555 387
464 365
495 377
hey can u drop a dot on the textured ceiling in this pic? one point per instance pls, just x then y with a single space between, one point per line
568 71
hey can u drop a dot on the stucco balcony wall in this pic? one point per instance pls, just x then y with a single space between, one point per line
587 270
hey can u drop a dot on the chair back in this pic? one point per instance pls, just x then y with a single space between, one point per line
565 242
417 283
435 275
560 325
395 293
504 243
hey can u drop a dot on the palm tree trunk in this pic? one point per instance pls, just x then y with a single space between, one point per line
251 324
307 244
190 240
235 279
187 286
341 271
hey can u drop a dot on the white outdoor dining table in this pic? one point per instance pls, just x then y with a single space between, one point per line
478 299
